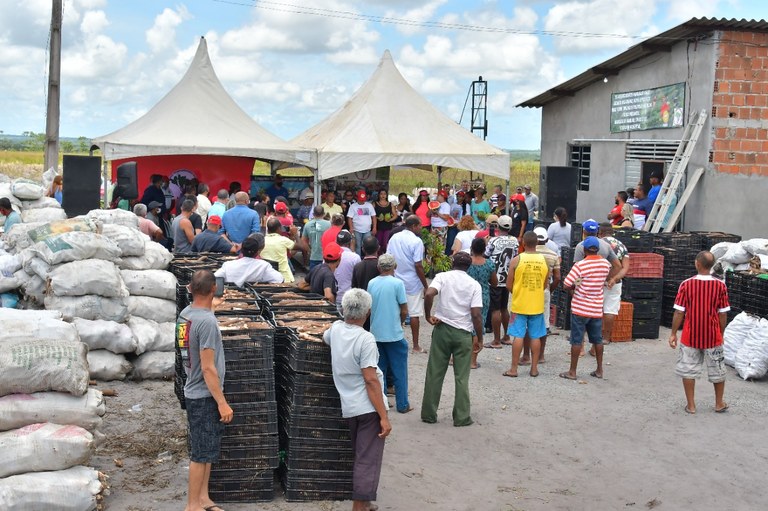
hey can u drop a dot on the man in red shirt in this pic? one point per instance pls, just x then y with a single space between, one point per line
587 279
700 308
329 236
615 215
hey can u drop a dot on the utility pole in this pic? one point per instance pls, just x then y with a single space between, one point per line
54 91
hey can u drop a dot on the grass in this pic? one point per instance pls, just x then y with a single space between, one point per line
29 164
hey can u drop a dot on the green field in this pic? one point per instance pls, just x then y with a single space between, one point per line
524 169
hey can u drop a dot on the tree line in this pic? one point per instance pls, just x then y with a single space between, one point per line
35 142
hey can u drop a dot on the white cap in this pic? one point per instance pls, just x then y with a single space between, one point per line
541 234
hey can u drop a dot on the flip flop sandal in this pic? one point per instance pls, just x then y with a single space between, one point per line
567 376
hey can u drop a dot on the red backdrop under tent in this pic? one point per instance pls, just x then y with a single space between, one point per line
215 171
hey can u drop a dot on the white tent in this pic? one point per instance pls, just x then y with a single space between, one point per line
386 123
198 117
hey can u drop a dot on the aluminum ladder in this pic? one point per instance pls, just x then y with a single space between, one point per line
675 173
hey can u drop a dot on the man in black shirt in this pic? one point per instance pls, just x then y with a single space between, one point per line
320 279
368 268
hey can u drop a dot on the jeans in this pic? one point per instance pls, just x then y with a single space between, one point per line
359 236
393 360
593 327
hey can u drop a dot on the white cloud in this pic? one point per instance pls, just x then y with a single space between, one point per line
683 10
419 14
161 37
598 17
94 22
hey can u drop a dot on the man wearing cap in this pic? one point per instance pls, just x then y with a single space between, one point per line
458 312
361 220
532 203
321 279
612 291
277 189
587 280
441 216
211 241
552 258
655 181
250 268
346 265
501 205
284 215
312 235
240 221
329 206
501 250
527 279
591 228
408 249
388 312
305 210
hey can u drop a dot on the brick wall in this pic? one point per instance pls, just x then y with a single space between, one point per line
740 105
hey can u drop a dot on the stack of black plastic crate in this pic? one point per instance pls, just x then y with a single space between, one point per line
315 442
679 250
560 297
747 293
643 292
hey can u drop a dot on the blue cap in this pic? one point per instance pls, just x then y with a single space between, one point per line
591 242
590 226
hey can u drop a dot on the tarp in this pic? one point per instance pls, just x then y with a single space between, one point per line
198 116
386 122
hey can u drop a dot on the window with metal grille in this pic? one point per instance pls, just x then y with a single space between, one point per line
581 158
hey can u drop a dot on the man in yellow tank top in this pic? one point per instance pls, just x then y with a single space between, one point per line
527 278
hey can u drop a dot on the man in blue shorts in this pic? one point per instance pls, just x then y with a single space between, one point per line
199 338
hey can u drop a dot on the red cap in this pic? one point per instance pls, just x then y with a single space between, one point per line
443 193
332 252
281 207
518 197
460 193
214 220
361 195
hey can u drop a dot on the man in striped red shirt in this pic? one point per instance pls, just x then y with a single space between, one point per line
700 308
587 280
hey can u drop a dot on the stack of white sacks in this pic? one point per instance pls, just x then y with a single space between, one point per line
28 199
49 417
106 278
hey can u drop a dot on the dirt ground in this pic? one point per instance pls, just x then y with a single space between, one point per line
623 442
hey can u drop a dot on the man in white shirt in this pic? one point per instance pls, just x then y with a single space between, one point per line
408 249
457 312
361 219
203 203
250 268
532 203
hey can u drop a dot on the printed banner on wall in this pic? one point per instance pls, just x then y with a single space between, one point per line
662 107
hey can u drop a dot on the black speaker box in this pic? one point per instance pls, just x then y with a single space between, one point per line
127 181
82 184
557 187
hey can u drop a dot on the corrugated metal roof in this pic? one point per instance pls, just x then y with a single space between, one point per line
661 42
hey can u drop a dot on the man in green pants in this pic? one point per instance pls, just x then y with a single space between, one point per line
457 312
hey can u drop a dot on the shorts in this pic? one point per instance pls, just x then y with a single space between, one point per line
533 324
612 299
690 361
593 327
415 305
205 430
499 299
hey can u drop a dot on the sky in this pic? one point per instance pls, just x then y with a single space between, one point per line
290 66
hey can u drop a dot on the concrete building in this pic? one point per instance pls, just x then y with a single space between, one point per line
619 121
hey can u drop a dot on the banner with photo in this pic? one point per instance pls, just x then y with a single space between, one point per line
662 107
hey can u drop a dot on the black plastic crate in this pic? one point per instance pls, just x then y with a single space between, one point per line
576 233
306 356
296 420
566 260
647 308
679 240
645 329
242 360
634 240
709 239
641 289
250 392
254 457
301 458
234 491
253 420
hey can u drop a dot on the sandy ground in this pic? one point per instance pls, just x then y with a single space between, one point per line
623 442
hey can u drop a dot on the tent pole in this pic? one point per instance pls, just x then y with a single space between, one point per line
318 189
508 197
439 178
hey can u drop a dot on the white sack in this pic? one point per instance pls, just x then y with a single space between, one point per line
155 257
39 366
719 249
156 309
152 336
736 254
26 189
735 334
756 246
35 326
105 335
48 177
43 215
5 191
752 357
89 307
28 315
8 282
42 202
763 261
74 489
115 216
35 266
32 286
88 277
18 239
18 410
131 241
107 366
154 365
44 446
157 283
76 246
9 263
